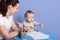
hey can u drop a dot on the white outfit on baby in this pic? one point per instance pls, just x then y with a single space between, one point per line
33 33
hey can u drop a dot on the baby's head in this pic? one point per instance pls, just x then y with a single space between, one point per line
29 16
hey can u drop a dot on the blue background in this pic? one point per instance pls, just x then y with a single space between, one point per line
46 12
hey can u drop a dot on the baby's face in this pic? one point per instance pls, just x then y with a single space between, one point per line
30 17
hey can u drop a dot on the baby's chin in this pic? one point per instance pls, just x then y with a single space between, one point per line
30 21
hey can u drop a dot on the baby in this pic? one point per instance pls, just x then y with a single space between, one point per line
29 25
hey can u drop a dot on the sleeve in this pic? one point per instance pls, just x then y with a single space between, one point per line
11 17
1 21
36 23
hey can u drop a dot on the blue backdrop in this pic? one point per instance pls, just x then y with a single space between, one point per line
46 12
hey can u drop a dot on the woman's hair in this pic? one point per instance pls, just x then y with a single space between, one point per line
4 5
28 12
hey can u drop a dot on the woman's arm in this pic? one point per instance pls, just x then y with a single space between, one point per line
6 34
14 27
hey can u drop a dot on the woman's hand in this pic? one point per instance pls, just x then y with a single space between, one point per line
14 27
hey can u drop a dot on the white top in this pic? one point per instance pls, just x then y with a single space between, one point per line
6 22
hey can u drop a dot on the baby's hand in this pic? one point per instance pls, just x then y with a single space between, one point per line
28 27
18 23
41 25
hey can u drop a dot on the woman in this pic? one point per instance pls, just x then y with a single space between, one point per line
7 9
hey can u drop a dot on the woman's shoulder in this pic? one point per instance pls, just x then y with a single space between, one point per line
1 19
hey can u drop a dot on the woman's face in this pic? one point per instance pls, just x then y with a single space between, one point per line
14 9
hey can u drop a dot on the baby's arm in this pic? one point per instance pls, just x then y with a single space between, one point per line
26 28
20 24
38 24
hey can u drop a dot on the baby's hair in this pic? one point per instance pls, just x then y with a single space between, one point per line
28 12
